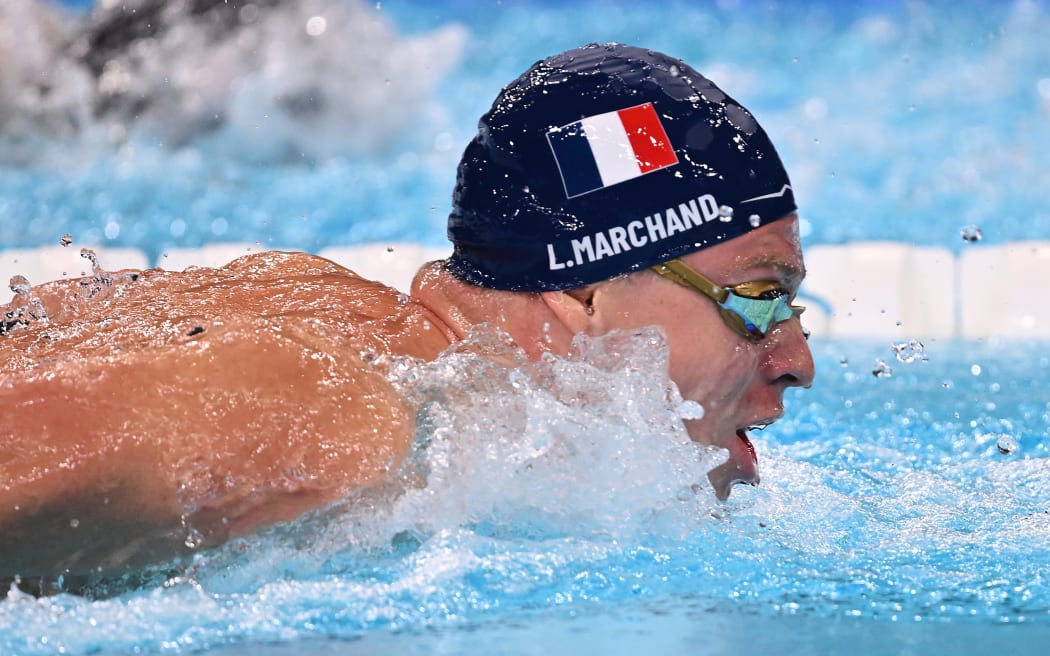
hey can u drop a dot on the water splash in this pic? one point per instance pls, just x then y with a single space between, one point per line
179 73
26 310
20 285
100 284
527 446
881 370
909 351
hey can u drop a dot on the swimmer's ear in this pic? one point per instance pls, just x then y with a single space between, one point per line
574 308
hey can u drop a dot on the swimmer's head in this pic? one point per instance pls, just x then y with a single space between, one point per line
604 160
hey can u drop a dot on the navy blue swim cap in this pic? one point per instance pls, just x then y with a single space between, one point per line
604 160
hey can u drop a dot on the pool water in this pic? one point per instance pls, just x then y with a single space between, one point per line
902 121
559 507
903 507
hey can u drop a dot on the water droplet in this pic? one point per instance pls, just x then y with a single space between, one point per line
73 523
975 370
844 361
1006 444
20 285
89 255
402 299
755 220
66 239
971 233
909 351
389 249
725 213
882 370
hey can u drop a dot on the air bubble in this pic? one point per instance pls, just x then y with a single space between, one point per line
725 213
755 220
971 233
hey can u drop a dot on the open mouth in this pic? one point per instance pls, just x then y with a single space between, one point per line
742 434
740 467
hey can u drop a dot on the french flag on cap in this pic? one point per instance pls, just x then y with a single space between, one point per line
606 149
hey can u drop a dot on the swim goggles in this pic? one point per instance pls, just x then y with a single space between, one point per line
750 308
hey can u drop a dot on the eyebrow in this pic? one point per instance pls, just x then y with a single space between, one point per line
788 269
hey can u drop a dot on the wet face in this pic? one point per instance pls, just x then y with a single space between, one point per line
740 383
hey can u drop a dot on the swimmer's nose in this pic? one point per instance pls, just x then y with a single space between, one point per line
790 361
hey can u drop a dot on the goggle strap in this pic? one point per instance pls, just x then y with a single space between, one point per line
680 273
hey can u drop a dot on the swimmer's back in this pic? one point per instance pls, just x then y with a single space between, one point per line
178 409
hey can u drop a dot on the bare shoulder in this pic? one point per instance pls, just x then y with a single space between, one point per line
152 411
115 461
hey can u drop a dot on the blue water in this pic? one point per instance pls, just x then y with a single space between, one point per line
905 512
897 120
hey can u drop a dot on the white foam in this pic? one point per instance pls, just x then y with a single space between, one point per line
276 86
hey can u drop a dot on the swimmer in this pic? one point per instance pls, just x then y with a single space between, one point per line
608 188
